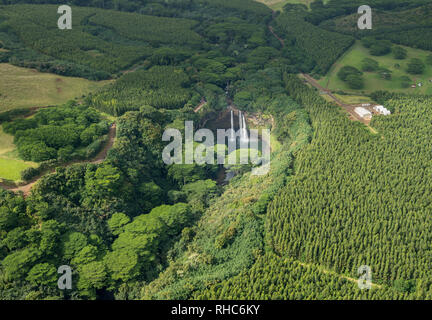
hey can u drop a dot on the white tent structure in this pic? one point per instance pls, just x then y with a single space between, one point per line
363 113
382 110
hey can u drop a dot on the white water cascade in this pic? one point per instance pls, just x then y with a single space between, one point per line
232 138
244 133
240 122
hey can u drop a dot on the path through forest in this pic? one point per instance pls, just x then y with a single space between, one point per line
202 104
274 33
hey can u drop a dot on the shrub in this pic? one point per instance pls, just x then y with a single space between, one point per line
29 173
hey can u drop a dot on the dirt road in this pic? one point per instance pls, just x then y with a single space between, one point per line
276 36
198 107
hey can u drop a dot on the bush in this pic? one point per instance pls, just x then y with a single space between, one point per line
29 173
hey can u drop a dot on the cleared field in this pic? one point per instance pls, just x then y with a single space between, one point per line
353 99
373 81
22 88
10 165
279 4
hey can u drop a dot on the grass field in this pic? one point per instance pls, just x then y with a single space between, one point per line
373 81
350 99
10 165
279 4
22 88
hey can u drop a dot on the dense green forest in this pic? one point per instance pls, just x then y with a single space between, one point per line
60 133
160 87
408 24
384 211
338 195
322 46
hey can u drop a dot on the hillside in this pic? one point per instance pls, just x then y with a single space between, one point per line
373 81
25 88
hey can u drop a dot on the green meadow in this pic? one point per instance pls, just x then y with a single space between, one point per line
279 4
10 165
373 81
24 88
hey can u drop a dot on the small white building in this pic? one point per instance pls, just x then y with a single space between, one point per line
365 104
382 110
363 113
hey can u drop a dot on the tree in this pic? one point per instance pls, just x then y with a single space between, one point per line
355 81
369 65
385 73
72 243
50 235
122 264
345 71
16 239
380 48
416 66
92 275
399 53
117 221
17 264
8 218
152 193
201 191
87 254
44 274
104 182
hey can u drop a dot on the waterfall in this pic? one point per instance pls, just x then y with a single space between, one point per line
244 131
240 122
232 126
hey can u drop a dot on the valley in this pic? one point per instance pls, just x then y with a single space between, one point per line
87 116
